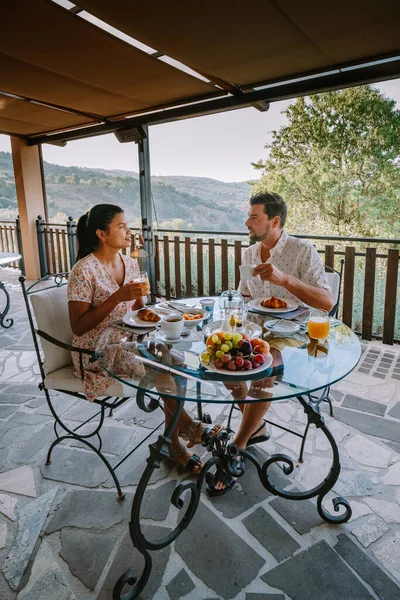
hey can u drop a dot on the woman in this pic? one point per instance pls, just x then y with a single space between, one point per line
101 289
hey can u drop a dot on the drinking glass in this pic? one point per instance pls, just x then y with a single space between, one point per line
318 324
144 280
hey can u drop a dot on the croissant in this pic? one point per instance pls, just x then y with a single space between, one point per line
146 314
273 302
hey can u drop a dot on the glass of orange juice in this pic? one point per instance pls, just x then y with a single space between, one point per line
318 324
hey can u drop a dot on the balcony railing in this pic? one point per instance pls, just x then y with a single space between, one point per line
197 263
10 240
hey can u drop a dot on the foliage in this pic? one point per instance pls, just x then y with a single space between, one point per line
336 163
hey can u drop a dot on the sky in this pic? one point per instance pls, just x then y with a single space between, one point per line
218 146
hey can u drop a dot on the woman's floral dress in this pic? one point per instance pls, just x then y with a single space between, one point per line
90 281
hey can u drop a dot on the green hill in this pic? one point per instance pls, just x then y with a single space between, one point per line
179 202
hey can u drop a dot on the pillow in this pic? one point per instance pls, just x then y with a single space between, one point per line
51 311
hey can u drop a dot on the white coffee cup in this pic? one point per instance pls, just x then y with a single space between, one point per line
246 272
172 326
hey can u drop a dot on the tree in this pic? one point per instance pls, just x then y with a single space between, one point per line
337 162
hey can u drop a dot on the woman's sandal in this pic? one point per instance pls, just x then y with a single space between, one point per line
224 478
237 463
193 462
257 439
208 433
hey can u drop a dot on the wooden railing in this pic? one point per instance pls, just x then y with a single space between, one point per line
190 263
10 240
199 263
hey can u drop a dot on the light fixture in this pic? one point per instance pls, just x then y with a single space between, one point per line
133 134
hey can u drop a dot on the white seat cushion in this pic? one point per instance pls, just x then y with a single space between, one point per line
52 317
334 283
64 379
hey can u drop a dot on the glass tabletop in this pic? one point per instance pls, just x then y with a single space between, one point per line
300 366
8 257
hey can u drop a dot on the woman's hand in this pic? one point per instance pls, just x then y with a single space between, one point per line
132 291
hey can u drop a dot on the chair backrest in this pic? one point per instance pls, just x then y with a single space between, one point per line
50 307
335 281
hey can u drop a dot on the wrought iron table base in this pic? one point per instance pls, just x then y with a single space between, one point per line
220 459
7 308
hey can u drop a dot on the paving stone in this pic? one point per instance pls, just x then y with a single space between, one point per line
90 509
19 481
389 511
127 557
361 370
6 340
36 402
353 483
376 426
328 577
336 395
60 404
130 472
301 514
395 376
30 389
39 443
180 585
29 418
238 564
46 580
80 410
115 439
253 596
30 524
312 472
71 465
248 490
7 506
385 587
270 534
6 410
366 452
357 403
86 553
395 411
394 445
359 509
13 398
392 477
338 431
3 535
157 502
387 551
12 434
370 530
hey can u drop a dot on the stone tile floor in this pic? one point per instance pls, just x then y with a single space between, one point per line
63 534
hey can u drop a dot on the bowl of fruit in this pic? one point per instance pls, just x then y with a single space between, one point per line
234 353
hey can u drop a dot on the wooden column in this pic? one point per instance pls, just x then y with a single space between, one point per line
31 202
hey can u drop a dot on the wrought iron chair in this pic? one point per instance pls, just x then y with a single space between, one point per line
48 297
335 281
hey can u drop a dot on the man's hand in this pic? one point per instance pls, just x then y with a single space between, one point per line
268 272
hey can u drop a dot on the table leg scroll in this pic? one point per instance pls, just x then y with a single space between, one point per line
6 309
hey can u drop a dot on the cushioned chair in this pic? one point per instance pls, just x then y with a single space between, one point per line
48 298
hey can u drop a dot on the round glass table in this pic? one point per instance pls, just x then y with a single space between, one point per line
302 371
5 259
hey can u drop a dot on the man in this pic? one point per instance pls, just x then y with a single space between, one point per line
287 267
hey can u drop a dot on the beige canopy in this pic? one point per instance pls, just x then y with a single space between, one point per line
59 72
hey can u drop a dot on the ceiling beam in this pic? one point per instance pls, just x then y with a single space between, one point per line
323 83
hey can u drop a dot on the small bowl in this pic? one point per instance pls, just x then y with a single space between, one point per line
195 311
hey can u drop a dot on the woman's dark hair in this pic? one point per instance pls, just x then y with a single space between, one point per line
98 217
274 205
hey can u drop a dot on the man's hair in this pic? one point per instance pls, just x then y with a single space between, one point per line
274 205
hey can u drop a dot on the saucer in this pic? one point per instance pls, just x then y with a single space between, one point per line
161 337
281 326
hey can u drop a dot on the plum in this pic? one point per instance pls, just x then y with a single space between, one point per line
247 365
232 365
239 362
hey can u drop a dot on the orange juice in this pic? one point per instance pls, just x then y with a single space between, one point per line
318 327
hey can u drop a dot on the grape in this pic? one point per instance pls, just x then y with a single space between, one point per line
229 344
215 339
227 335
247 365
232 365
225 348
226 358
205 357
219 353
239 362
210 350
237 337
218 364
259 358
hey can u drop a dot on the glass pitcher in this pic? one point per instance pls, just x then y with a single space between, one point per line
231 303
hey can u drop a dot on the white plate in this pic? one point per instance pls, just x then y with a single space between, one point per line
291 305
265 365
252 329
131 318
161 336
282 326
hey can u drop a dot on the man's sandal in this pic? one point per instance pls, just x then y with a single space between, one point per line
257 439
209 432
224 478
193 462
